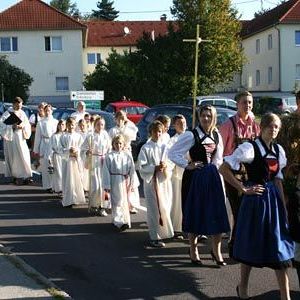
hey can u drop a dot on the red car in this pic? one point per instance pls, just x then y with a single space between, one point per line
134 109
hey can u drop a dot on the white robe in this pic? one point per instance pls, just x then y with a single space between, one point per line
118 176
129 132
177 173
78 116
73 192
157 189
44 130
100 144
84 171
16 152
54 156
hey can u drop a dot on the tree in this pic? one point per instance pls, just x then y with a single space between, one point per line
220 59
15 81
67 7
106 11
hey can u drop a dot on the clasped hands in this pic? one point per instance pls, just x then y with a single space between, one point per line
161 167
257 189
194 165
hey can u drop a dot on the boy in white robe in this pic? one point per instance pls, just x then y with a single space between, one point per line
55 159
45 128
96 145
70 144
179 123
157 186
118 176
16 152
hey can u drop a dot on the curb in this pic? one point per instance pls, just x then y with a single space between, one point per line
40 279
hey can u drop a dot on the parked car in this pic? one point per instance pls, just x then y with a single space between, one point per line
170 110
64 113
277 105
4 106
213 100
134 109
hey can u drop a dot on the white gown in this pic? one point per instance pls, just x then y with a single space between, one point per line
129 132
44 130
101 144
157 189
84 171
55 158
73 192
16 152
118 176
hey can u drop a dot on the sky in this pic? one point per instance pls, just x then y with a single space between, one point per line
132 10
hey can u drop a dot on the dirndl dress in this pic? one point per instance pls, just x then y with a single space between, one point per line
203 200
262 235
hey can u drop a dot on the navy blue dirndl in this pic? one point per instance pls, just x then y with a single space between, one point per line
204 208
262 236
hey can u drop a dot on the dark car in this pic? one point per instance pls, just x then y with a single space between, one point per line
171 110
64 113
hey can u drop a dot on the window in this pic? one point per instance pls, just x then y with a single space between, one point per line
298 72
53 43
62 83
270 75
8 44
257 46
297 38
93 58
257 78
270 42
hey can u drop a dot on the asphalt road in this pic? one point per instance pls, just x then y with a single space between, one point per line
89 260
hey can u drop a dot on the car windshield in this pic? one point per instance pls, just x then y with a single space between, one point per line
291 101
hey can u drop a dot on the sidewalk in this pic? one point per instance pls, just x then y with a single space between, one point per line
20 281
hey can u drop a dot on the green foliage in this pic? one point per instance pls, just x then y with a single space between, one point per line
66 6
162 70
106 11
16 82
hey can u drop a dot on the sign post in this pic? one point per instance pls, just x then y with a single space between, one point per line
92 99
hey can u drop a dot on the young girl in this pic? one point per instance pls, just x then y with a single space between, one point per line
54 157
96 145
129 131
166 121
70 144
83 131
157 186
118 176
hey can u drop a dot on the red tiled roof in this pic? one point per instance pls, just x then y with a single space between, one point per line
36 15
287 12
111 33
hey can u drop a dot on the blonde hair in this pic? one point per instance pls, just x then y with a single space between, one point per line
69 121
98 118
155 126
120 114
117 138
242 94
267 119
213 112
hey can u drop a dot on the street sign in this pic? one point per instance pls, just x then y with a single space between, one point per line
94 104
87 95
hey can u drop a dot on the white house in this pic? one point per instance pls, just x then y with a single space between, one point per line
271 45
46 44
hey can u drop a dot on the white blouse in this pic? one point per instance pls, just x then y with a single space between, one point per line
245 154
178 152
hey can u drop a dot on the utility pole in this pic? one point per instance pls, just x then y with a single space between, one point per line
197 41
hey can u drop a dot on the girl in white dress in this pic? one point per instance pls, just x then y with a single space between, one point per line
70 144
83 130
55 159
96 145
118 177
128 129
157 186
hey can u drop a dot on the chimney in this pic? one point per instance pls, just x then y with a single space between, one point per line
163 17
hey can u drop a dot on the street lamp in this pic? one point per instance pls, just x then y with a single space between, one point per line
197 41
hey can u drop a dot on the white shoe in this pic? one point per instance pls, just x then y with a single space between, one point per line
102 212
133 211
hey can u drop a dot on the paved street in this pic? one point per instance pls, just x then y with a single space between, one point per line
88 259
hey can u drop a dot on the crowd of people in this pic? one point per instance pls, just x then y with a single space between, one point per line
186 178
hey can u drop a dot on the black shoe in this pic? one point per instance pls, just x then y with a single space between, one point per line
238 294
124 227
156 244
218 262
178 236
50 191
197 262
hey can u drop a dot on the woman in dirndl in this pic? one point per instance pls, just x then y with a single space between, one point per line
203 199
262 237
